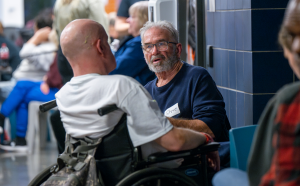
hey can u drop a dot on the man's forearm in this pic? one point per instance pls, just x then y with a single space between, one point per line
194 124
179 139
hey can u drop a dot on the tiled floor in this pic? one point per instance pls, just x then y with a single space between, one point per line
18 169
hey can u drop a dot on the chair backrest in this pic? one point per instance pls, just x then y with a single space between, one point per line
115 156
240 144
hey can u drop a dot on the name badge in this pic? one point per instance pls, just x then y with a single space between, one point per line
172 111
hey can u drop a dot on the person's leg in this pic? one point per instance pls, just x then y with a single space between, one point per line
16 96
22 120
14 99
34 94
58 130
230 177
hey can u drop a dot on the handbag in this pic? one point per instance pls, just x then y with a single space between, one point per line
76 166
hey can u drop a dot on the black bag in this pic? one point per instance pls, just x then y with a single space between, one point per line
76 166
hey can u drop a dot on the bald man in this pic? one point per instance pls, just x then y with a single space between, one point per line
91 59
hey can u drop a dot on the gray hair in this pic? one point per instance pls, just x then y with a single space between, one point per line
162 25
141 10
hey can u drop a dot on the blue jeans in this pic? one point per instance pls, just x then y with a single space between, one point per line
230 177
19 98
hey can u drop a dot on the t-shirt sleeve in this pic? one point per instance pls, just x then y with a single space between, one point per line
144 119
208 104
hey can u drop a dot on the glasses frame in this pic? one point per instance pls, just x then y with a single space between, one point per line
157 47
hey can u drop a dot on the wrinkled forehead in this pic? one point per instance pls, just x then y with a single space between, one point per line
155 35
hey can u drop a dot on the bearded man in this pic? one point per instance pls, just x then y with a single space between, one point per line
186 94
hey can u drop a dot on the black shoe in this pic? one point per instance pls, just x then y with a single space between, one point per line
17 145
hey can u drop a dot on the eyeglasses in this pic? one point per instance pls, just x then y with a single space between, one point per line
160 46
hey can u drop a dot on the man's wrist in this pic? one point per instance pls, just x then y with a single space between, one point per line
209 139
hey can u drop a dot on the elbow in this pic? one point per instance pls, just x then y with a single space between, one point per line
175 148
178 143
173 141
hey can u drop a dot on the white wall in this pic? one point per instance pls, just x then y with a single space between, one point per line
12 13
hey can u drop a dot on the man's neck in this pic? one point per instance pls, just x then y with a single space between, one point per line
166 76
84 67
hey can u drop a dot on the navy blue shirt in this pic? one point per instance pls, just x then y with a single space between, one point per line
131 62
197 96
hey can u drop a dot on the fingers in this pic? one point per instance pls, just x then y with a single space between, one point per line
213 160
211 163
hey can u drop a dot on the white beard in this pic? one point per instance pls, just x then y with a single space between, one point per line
164 65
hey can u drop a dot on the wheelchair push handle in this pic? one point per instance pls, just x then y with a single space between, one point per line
107 109
47 106
101 111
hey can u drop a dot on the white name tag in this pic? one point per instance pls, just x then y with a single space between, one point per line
172 111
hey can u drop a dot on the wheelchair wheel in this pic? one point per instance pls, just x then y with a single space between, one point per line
157 176
41 177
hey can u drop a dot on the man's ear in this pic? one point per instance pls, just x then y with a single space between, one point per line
178 49
99 47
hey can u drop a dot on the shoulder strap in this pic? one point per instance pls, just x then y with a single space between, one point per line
78 153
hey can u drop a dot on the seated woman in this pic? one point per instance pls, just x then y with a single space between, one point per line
129 57
32 88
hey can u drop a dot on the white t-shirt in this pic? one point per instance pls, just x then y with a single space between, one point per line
79 100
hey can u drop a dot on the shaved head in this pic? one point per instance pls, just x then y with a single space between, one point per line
85 44
79 37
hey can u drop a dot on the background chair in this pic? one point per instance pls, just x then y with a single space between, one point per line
240 144
38 125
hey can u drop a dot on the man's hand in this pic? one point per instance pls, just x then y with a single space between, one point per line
213 160
45 88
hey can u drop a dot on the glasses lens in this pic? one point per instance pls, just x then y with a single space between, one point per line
162 46
148 48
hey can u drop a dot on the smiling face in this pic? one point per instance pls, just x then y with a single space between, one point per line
160 61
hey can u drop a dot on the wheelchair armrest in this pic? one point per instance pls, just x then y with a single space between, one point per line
107 109
167 156
48 105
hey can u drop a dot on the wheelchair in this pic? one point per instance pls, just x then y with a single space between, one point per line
121 164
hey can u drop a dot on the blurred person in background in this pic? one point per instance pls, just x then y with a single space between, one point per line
129 57
122 25
38 51
114 37
39 80
14 58
112 31
66 11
